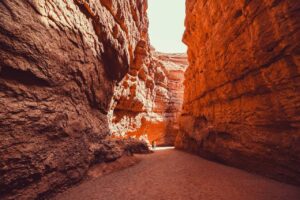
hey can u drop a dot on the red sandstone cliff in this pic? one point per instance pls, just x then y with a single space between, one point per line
59 61
242 87
148 101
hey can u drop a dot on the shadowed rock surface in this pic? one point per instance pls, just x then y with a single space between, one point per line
242 87
59 61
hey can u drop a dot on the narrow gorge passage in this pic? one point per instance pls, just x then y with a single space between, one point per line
175 175
84 83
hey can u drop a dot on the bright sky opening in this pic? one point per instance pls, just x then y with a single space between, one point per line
166 18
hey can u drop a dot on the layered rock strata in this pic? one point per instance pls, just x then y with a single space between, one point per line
59 62
148 101
242 87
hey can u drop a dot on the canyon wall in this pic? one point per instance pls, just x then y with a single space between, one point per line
148 101
242 95
59 62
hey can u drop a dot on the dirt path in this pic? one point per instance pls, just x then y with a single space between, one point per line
175 175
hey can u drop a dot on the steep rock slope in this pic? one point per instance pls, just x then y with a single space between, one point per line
169 106
242 95
59 61
148 100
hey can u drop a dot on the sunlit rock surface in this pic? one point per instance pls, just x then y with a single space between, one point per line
148 101
59 61
242 95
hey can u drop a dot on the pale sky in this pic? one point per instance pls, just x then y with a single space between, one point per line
166 26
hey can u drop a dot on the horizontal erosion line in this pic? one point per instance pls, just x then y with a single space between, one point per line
243 76
258 91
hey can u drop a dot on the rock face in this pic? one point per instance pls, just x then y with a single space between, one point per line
148 101
242 88
169 104
59 61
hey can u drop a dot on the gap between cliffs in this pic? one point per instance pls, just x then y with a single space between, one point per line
81 87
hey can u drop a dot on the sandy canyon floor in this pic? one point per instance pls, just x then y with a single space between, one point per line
175 175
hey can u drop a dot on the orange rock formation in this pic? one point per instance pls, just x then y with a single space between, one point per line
242 87
148 101
74 72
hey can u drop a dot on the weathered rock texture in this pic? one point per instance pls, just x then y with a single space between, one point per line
59 61
148 101
242 95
